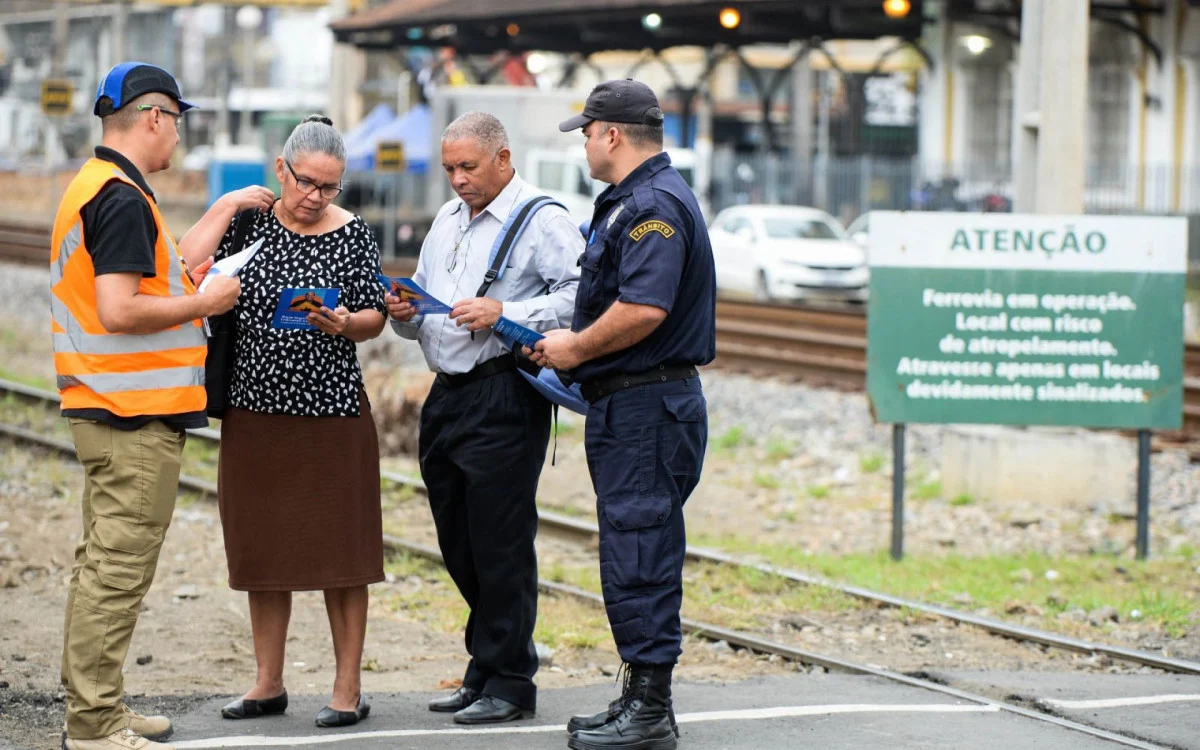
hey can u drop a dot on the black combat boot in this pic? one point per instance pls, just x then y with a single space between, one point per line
644 719
581 722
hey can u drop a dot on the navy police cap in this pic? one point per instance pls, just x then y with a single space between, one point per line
626 101
128 81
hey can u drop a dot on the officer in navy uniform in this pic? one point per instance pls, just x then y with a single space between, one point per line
644 320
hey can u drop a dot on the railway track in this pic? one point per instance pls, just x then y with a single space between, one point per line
739 639
824 347
586 532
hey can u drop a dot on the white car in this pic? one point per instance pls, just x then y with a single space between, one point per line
859 231
787 253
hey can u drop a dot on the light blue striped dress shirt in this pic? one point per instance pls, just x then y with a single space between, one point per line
537 289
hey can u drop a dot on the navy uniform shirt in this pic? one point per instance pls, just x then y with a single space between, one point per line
649 246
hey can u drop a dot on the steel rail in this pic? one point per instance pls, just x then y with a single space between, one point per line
696 628
561 524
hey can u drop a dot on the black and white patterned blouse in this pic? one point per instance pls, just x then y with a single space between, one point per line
300 372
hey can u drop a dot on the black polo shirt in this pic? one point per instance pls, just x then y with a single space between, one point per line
120 234
649 246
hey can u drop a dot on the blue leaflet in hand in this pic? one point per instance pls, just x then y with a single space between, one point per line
295 305
516 333
409 291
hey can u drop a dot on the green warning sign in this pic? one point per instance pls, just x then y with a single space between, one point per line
1033 320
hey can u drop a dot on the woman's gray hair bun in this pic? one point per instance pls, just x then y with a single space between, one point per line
315 135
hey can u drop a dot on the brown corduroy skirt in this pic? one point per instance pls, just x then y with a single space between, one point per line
299 500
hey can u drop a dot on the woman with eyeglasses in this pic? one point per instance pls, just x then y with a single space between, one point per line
299 462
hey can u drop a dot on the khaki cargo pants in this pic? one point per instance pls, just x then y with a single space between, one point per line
130 481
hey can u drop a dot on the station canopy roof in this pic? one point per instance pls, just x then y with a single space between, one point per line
587 26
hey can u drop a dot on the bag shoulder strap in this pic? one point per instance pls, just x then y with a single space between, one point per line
243 223
508 236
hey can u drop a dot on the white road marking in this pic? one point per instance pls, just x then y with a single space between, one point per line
693 718
1146 700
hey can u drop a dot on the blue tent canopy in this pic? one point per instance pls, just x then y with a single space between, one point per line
413 129
375 119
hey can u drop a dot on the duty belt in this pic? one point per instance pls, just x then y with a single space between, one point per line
597 389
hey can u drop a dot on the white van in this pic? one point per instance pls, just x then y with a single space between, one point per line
564 176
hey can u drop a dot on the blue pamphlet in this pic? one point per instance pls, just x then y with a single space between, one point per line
516 333
550 385
409 291
295 305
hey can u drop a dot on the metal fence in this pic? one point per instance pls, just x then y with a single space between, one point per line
847 187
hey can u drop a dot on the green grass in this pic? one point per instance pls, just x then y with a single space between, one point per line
566 510
927 489
1164 590
818 491
766 481
35 381
730 439
870 463
962 500
779 448
562 429
435 603
742 598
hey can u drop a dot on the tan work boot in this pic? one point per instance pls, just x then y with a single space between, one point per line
150 727
122 739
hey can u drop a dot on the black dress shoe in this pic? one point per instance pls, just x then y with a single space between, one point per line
331 717
249 708
456 701
491 710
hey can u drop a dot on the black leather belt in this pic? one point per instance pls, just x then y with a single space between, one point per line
503 363
597 389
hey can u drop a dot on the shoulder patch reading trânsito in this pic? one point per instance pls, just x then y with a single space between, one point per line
646 227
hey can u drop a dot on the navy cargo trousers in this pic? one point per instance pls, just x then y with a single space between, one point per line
645 447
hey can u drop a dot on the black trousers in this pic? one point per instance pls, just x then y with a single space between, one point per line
482 447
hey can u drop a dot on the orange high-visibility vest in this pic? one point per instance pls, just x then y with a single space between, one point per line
128 375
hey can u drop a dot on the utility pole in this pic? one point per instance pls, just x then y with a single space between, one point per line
802 131
58 68
224 84
1025 114
346 72
1051 149
119 30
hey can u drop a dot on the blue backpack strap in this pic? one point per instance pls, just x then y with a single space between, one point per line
513 227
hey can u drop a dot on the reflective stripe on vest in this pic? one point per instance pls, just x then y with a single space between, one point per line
115 382
94 367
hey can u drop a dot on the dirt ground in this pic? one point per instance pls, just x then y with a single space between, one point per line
193 638
196 631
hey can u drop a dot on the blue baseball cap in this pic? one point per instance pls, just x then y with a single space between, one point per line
128 81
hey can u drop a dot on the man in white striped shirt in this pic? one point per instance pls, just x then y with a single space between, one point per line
484 429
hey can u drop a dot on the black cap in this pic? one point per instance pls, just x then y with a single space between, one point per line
128 81
618 101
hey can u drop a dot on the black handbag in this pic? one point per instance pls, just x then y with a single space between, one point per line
222 341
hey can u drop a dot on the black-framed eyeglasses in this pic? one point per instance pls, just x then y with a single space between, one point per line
328 192
176 116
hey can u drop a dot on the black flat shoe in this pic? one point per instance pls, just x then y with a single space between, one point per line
491 710
456 701
330 717
249 708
